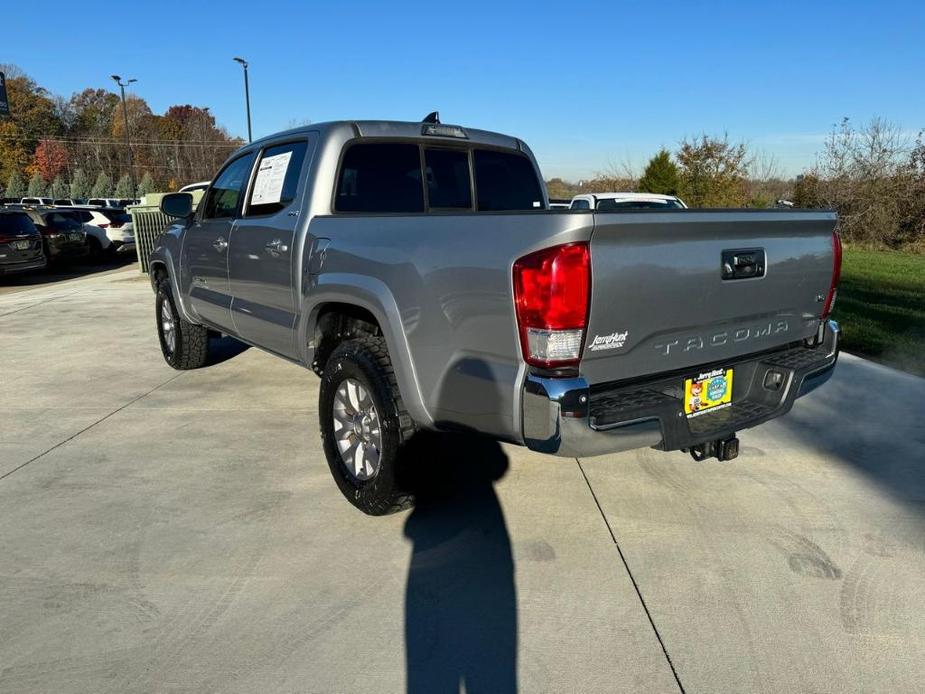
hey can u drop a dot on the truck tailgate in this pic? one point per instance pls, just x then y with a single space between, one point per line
660 302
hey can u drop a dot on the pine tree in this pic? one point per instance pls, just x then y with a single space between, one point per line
15 187
103 186
59 187
36 186
146 186
661 175
80 185
124 187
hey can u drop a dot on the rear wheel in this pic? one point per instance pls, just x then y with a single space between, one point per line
363 424
184 345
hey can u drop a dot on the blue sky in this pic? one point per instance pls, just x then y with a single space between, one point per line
586 85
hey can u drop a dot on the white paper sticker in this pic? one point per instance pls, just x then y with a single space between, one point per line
268 187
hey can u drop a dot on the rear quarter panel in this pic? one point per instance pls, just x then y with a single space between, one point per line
442 282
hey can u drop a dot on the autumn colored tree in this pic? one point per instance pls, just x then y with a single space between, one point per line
33 117
50 160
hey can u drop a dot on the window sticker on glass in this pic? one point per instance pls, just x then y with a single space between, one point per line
268 186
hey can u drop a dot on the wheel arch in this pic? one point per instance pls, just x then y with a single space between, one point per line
361 300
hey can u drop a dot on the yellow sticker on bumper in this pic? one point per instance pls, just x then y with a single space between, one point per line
707 392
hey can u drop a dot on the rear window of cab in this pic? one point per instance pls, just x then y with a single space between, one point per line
406 178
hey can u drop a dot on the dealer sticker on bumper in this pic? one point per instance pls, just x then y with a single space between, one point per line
709 391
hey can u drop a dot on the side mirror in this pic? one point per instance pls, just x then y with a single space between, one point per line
177 205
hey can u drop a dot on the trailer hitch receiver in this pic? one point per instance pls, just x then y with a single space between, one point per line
721 449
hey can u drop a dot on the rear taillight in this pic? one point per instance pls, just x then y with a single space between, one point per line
551 295
115 225
836 275
103 226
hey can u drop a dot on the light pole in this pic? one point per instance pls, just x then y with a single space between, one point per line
128 145
247 96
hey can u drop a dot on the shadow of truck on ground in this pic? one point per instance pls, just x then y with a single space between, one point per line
460 601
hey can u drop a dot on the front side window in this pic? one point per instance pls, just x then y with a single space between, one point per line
505 181
226 192
448 181
379 177
277 179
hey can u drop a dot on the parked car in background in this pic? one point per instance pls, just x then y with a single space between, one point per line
36 201
626 201
63 237
116 224
20 243
120 203
558 204
68 202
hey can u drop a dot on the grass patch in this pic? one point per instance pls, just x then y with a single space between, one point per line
881 307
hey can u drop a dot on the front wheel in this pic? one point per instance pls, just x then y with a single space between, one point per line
184 345
363 424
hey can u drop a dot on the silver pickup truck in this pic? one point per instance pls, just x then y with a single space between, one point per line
417 269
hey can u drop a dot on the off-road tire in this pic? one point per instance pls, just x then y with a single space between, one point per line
191 350
366 359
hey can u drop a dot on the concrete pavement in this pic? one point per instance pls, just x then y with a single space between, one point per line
167 531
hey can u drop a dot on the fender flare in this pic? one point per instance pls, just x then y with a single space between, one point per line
163 259
374 296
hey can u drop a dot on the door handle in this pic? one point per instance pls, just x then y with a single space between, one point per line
220 244
276 247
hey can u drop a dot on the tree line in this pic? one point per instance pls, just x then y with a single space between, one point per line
75 146
872 175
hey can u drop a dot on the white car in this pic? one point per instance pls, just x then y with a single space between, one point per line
121 203
115 224
626 201
36 201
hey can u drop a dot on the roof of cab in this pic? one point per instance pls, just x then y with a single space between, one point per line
397 129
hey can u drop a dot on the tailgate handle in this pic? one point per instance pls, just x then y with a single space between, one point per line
743 263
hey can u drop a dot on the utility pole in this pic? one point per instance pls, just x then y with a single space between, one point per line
128 144
247 97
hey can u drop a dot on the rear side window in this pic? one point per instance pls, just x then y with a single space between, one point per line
505 181
16 224
581 205
380 178
226 192
277 180
64 222
117 217
448 181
